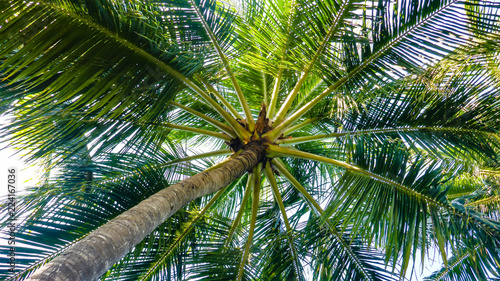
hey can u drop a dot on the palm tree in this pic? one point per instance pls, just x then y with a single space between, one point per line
360 137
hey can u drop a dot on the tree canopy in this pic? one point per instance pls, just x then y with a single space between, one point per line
380 122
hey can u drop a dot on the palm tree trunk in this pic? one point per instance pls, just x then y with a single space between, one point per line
95 254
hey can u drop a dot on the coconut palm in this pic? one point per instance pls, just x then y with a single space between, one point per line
254 140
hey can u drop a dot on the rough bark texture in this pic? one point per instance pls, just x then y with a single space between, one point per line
94 255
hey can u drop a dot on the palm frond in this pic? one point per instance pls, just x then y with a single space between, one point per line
97 48
90 193
469 264
447 111
396 220
333 256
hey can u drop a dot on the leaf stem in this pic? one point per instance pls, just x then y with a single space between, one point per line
483 201
225 62
221 126
242 204
253 219
274 95
490 172
298 126
225 160
279 201
224 101
264 88
457 262
298 140
278 130
284 171
197 131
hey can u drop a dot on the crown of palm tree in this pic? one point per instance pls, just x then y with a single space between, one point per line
317 140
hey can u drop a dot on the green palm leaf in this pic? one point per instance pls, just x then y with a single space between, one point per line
362 137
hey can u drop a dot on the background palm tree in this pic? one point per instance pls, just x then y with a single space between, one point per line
359 135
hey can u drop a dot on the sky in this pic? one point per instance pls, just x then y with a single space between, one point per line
26 175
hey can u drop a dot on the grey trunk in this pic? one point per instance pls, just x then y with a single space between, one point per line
94 255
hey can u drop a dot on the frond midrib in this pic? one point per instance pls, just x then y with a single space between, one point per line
276 151
297 140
